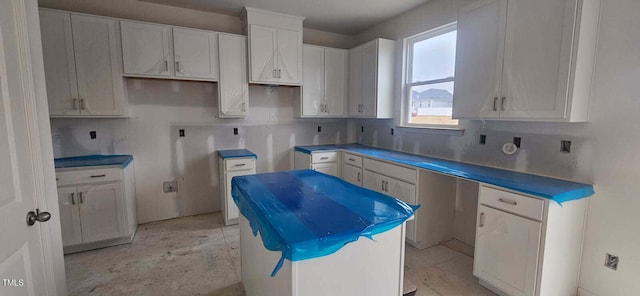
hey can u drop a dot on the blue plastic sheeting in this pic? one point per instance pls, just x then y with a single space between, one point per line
554 189
235 153
93 160
306 214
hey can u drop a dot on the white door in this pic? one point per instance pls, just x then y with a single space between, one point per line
233 86
145 49
100 84
196 53
479 55
28 265
263 54
506 251
373 181
313 97
355 81
369 79
537 55
68 203
101 212
59 63
405 192
335 80
326 168
352 174
289 56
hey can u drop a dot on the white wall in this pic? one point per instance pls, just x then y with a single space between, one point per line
604 151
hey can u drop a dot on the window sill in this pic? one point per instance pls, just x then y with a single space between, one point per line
449 131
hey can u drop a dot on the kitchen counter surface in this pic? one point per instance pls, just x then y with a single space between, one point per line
235 153
550 188
93 160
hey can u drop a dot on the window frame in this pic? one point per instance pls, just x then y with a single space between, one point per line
408 70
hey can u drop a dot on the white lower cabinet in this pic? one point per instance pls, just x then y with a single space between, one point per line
229 168
352 174
322 161
96 213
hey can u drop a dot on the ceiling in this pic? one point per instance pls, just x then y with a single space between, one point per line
338 16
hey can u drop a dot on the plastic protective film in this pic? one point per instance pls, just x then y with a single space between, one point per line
306 214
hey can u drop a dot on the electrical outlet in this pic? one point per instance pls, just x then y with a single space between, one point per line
483 139
181 132
517 141
611 261
362 128
93 135
170 186
392 131
319 129
565 146
235 130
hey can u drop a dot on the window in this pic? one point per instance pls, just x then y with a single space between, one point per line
430 67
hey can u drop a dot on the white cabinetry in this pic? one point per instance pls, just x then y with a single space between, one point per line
275 47
521 243
97 207
161 51
324 86
352 168
322 161
510 65
82 65
229 168
371 75
233 87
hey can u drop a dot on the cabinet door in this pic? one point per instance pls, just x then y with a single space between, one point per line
330 168
263 54
101 212
233 87
352 174
100 84
313 97
479 55
355 81
537 58
335 80
59 63
145 49
369 79
405 192
231 211
373 181
506 251
69 216
195 53
289 49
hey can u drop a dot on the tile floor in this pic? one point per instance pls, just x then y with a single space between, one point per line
198 255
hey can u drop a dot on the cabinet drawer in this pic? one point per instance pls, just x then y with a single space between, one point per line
319 157
391 170
236 164
511 202
353 159
87 176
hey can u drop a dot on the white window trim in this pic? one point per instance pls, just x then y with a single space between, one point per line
408 69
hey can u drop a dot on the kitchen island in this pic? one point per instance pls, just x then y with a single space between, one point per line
307 233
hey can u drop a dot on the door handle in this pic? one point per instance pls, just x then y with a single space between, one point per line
495 104
73 198
324 158
75 104
97 176
178 67
502 103
386 186
279 73
166 65
275 73
38 216
82 104
382 186
508 201
81 197
358 176
481 222
239 165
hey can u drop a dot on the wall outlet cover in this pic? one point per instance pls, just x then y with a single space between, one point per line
170 186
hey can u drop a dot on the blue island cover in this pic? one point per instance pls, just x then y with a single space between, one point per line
306 214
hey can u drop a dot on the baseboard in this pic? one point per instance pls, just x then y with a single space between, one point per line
99 245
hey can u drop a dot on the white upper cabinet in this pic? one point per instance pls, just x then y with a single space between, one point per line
146 49
275 47
324 86
82 65
540 70
196 53
371 82
233 87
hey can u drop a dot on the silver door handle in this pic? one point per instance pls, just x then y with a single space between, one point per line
352 159
166 65
382 186
81 197
178 67
386 186
38 216
75 104
275 73
358 176
495 104
82 104
279 73
239 165
481 222
507 201
324 158
73 198
97 176
244 106
502 103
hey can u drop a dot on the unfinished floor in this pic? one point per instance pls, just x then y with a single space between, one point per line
198 255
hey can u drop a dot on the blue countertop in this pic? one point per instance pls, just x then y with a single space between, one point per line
234 153
291 210
93 160
545 187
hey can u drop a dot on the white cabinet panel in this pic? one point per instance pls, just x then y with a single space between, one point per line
231 210
355 81
101 212
59 63
263 54
289 56
335 81
145 49
69 216
324 85
229 168
374 182
369 79
195 53
329 168
100 85
352 174
313 84
233 87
